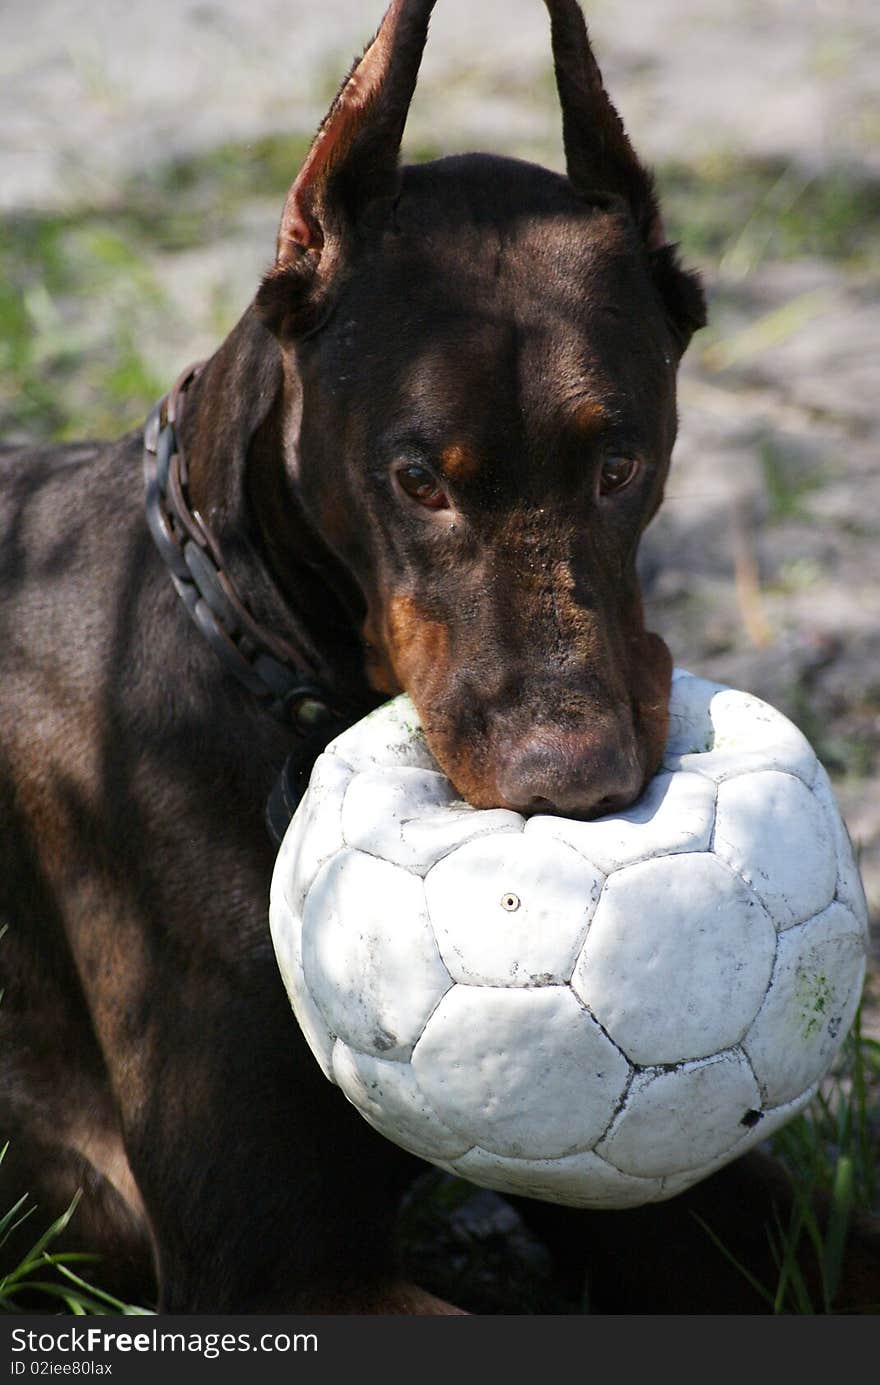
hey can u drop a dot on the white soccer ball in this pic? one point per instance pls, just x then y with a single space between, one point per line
594 1013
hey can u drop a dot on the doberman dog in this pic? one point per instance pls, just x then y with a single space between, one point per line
422 460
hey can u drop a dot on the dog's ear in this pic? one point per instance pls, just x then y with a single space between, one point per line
600 160
351 172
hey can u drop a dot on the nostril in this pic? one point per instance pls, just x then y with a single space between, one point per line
569 776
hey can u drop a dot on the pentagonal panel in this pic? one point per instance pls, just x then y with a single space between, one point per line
387 1095
369 955
772 830
684 1118
675 813
677 959
511 910
577 1180
413 817
814 992
691 729
522 1072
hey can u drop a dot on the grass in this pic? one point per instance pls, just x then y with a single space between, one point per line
43 1279
787 482
830 1151
739 214
73 291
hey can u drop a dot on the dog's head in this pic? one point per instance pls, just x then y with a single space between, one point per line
481 359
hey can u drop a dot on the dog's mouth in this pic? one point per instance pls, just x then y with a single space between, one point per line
583 774
582 744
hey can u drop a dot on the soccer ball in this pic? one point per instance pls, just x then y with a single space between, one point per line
594 1013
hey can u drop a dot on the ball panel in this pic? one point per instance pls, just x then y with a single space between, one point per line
577 1180
675 813
315 831
510 911
526 1073
691 729
413 817
677 959
387 1095
379 802
811 1003
771 829
434 836
772 1121
850 889
680 1120
286 929
369 955
391 736
721 732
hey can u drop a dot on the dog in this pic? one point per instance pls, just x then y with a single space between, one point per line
422 461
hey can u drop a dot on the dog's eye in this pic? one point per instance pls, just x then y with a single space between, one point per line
616 474
421 485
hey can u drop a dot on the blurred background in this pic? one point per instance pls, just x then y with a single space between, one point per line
147 150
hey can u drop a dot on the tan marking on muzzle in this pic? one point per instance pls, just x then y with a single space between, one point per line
416 647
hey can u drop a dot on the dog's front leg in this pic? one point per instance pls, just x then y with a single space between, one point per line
265 1191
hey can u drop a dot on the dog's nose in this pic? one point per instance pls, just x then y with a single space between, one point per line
573 776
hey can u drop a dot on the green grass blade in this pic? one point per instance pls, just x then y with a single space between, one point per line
8 1224
842 1202
90 1289
758 1287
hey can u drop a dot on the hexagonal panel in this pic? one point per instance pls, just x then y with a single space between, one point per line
771 829
522 1072
813 996
315 831
286 928
577 1180
682 1119
511 910
677 959
413 817
850 888
675 813
387 1095
771 1121
369 955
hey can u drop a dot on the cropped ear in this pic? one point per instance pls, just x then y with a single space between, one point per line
350 172
600 160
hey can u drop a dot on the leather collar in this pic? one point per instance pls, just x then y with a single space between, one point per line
261 660
266 664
